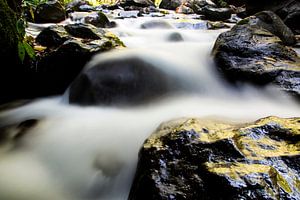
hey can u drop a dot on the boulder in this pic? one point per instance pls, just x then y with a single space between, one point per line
79 6
52 36
49 12
216 14
288 10
211 160
69 48
170 4
250 52
119 81
99 20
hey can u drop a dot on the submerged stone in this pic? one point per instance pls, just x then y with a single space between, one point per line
211 160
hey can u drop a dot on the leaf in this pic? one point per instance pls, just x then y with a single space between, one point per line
21 51
29 50
21 28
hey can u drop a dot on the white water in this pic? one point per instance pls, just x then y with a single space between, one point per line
82 153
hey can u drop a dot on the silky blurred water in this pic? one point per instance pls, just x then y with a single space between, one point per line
86 153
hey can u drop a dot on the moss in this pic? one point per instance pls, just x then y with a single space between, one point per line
8 33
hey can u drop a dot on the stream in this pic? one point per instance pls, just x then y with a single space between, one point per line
90 153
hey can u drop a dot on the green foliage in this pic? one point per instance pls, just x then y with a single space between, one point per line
23 46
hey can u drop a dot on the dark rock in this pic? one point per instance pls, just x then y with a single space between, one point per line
201 159
137 3
58 68
292 21
170 4
197 5
50 12
175 37
216 25
216 14
79 6
119 81
83 31
250 52
287 10
52 36
271 22
67 53
153 24
99 20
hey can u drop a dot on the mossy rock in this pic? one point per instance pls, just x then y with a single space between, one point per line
193 158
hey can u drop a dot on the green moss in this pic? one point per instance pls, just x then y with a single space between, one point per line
8 32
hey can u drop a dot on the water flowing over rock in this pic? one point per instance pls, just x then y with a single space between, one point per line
122 81
250 52
70 47
203 159
50 12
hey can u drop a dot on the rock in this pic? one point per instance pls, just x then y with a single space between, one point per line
49 12
216 25
184 9
250 52
52 36
153 24
198 5
292 21
83 31
79 6
70 47
170 4
216 14
119 81
271 22
175 37
288 10
99 20
203 159
137 3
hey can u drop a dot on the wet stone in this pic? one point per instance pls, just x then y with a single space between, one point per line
193 158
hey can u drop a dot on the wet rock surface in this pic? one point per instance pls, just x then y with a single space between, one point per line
50 12
250 52
204 159
288 10
123 81
69 48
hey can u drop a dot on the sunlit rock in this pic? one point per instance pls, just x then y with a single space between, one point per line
203 159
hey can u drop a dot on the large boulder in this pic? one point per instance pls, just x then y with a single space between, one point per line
288 10
119 81
69 48
250 52
50 12
210 160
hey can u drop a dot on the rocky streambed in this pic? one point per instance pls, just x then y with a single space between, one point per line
230 87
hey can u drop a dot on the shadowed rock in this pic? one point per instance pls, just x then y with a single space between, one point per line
126 81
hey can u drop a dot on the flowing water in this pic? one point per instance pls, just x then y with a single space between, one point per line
87 153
